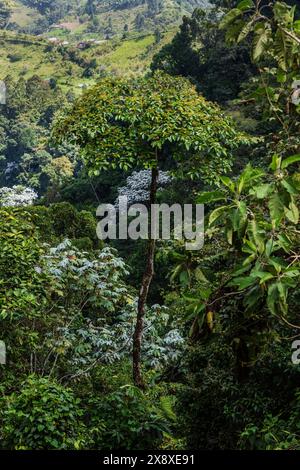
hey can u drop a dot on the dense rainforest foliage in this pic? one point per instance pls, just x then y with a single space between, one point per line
144 344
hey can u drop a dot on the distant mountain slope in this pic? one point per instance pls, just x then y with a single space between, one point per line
106 18
74 66
75 42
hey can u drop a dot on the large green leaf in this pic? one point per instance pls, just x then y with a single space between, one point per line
275 163
210 196
227 182
262 275
292 213
296 26
288 161
217 213
276 208
230 17
261 191
245 31
243 282
272 298
260 41
289 186
245 5
257 236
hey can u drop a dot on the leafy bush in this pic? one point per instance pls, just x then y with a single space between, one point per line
63 220
20 289
131 422
275 432
69 222
43 415
219 411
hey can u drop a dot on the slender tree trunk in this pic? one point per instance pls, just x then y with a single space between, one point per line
146 281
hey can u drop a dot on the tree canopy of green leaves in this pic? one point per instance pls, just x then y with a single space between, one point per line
123 123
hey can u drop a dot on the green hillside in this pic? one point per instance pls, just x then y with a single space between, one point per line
108 18
24 56
76 42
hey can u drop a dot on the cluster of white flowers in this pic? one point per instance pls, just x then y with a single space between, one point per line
103 334
17 196
113 342
10 167
100 278
138 185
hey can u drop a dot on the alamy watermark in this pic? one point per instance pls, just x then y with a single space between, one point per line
296 352
158 222
295 98
2 353
2 92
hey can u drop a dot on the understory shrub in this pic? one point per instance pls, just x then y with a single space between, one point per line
42 415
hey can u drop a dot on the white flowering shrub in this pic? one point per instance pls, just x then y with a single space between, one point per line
92 344
138 185
86 280
10 168
17 196
97 313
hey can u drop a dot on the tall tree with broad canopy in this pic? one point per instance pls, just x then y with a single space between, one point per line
145 123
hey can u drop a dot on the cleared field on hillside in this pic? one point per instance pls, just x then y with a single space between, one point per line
26 56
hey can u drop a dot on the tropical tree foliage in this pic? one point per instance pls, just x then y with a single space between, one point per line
211 335
146 123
